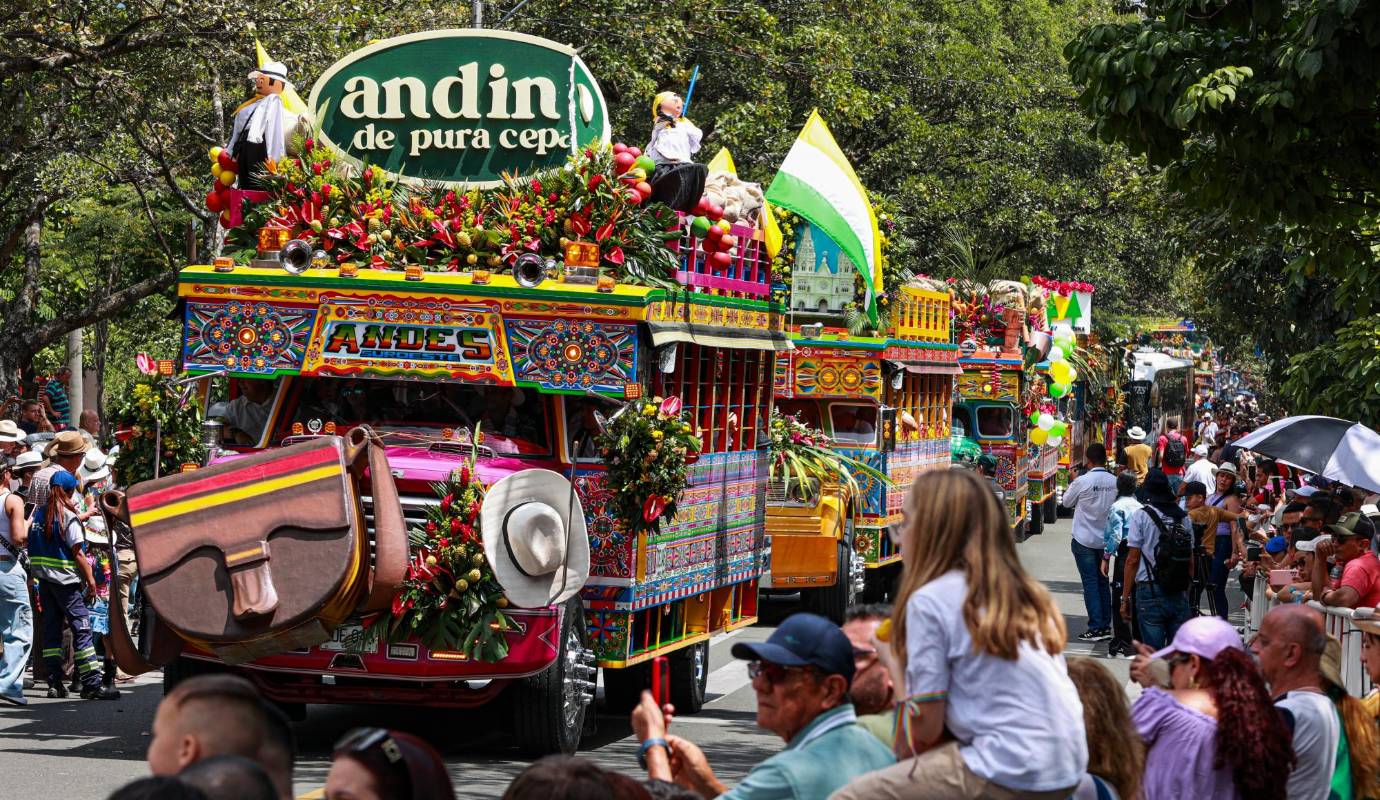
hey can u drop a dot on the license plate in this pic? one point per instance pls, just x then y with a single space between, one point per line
343 634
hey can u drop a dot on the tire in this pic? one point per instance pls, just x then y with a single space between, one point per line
183 668
623 687
880 583
1051 510
549 708
1034 518
689 677
833 601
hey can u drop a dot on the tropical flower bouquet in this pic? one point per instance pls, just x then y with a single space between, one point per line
806 455
648 448
450 599
157 423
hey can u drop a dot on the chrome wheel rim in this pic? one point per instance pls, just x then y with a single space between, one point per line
577 683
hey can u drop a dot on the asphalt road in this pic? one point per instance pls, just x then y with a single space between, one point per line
86 749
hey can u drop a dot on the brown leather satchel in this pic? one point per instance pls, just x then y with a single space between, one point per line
266 553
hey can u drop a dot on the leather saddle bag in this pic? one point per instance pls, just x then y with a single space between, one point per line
263 554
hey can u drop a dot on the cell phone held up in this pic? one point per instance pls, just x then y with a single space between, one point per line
661 680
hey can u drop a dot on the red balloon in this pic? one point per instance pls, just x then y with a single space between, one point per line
727 242
720 260
715 212
225 219
226 161
634 198
619 147
702 207
714 233
636 151
213 202
643 188
623 161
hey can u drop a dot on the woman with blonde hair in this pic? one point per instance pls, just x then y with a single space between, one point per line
1116 755
977 644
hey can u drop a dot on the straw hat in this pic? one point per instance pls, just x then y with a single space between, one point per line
10 432
29 459
94 467
535 538
1137 433
66 443
275 70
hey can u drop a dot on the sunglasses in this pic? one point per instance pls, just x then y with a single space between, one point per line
363 740
774 673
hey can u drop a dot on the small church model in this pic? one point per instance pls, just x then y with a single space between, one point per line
822 279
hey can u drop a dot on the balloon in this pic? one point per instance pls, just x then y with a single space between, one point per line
1054 441
216 171
699 226
646 163
1038 436
1073 375
1063 333
1046 421
1059 428
215 152
1061 372
1056 355
227 177
1058 390
1035 418
1066 348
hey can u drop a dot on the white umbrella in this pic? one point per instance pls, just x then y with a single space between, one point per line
1342 451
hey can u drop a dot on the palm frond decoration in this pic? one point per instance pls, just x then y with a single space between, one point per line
799 453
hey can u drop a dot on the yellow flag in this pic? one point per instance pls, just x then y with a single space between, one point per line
771 232
291 101
723 162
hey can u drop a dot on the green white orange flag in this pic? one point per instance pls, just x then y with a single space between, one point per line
817 182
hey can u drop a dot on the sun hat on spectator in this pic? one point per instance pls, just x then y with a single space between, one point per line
1136 432
1204 637
1226 466
10 432
29 459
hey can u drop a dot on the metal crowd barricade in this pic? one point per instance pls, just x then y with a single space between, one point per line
1354 675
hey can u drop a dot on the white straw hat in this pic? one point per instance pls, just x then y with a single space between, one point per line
10 432
1136 432
535 538
276 70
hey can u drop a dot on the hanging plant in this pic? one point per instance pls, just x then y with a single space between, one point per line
450 599
157 423
647 449
805 455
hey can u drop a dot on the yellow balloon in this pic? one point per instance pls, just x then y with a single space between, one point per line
227 177
215 170
1061 372
215 153
1038 436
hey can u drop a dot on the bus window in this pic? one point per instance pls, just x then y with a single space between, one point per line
854 424
962 424
995 422
581 427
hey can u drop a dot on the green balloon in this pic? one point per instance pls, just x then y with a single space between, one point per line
1035 418
1059 428
646 163
1058 389
699 226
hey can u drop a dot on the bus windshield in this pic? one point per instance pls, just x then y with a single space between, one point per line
512 420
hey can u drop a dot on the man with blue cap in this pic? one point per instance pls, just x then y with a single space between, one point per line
801 675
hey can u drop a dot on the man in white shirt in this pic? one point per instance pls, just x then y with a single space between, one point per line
1091 496
1289 648
1207 431
247 415
1201 469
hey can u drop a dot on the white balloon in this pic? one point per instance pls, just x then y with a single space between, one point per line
1054 441
1063 332
1056 354
1046 421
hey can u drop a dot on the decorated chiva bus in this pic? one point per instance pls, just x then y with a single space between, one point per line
1009 398
468 444
861 408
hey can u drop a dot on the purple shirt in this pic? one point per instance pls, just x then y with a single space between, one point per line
1180 748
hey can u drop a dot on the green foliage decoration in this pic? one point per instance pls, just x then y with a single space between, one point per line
647 449
164 425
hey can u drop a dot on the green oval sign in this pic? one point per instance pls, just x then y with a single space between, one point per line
460 107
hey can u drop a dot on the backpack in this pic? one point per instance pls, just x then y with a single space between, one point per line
1175 452
1173 553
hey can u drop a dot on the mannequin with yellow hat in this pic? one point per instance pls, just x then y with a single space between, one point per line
678 182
